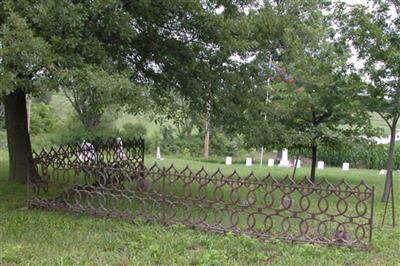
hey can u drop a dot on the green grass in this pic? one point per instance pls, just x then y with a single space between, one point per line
38 237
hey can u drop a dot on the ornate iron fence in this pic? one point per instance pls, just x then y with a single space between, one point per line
264 208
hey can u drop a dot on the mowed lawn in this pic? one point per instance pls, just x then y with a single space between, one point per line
37 237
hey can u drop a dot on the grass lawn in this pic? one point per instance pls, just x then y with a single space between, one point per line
53 238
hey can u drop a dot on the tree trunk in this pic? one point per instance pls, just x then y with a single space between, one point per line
390 161
19 144
206 140
313 163
29 110
91 122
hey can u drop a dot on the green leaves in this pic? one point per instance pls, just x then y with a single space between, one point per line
23 56
375 35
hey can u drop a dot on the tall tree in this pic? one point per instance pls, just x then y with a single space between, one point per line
314 97
374 31
169 44
23 60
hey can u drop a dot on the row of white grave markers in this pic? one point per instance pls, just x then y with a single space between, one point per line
88 154
285 162
249 161
228 160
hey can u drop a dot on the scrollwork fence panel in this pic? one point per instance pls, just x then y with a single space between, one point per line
264 208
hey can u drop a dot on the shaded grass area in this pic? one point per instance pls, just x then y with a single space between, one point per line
53 238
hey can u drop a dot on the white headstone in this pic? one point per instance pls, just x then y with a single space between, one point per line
382 172
271 162
298 163
248 161
158 154
88 153
284 161
320 165
228 160
346 167
120 150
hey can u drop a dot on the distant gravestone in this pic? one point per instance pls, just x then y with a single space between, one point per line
271 162
284 161
298 163
383 172
346 167
321 165
249 161
158 154
228 160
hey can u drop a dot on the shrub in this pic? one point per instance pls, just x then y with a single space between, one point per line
2 123
192 146
72 131
43 118
154 141
370 156
130 130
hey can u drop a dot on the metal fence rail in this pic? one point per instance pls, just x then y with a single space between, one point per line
264 208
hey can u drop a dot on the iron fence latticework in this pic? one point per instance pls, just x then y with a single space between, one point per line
263 208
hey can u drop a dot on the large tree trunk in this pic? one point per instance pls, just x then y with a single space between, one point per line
313 163
19 144
390 162
90 122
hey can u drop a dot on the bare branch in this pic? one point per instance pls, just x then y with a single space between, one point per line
385 119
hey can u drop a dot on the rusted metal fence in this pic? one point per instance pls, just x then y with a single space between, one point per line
263 208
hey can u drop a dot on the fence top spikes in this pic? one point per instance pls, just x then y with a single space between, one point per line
186 168
343 182
364 185
251 174
307 180
171 167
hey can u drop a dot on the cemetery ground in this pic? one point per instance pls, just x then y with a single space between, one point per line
38 237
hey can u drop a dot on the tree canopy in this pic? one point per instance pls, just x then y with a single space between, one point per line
374 33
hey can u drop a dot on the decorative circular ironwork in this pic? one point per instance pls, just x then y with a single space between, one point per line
110 180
